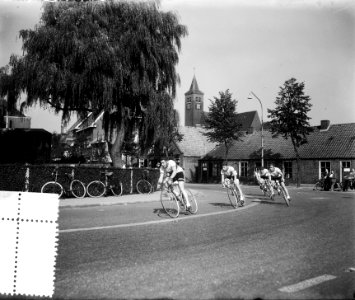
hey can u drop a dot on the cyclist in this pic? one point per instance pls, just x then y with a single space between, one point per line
228 172
263 178
174 173
276 174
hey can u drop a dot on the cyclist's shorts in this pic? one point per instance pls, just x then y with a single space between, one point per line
264 177
232 177
277 178
179 177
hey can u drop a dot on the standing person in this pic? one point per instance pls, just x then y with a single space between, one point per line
326 180
228 172
349 180
173 173
276 174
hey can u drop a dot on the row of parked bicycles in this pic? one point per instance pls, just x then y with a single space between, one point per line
95 188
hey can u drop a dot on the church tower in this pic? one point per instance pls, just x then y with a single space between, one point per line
193 105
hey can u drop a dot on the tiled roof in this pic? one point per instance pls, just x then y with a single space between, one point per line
194 142
194 88
336 142
246 119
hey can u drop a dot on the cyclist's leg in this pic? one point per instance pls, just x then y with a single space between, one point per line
236 182
183 192
282 182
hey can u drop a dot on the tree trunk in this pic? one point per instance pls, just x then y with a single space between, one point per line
298 178
116 149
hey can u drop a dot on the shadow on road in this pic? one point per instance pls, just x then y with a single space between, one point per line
272 202
220 204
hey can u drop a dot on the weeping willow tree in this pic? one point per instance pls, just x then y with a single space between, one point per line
113 56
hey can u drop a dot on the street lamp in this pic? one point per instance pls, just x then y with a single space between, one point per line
262 128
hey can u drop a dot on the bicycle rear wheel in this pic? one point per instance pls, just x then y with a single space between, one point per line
52 187
116 189
144 187
77 188
193 202
233 196
170 203
95 189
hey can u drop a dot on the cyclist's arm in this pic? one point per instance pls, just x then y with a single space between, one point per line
173 174
160 180
222 179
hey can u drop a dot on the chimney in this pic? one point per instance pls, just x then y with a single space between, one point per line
324 124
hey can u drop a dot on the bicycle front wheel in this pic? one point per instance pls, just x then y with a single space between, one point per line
193 201
170 203
95 189
52 187
77 188
116 189
284 195
317 186
144 187
233 196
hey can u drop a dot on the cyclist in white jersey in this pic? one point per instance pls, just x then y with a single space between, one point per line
228 172
276 174
174 173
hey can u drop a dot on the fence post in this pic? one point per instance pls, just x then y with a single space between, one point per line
27 179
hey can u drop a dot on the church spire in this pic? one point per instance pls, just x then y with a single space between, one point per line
194 88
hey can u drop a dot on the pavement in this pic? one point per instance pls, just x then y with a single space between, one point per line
153 197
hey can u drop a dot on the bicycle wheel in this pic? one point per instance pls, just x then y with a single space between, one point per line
193 202
284 195
116 190
52 187
169 202
95 189
144 187
317 186
77 188
233 196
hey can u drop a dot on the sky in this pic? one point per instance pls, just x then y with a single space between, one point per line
242 46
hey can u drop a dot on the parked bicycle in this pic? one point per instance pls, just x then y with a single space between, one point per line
319 186
172 203
233 194
97 188
143 185
76 187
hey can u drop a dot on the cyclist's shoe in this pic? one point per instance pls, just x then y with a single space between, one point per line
241 202
189 208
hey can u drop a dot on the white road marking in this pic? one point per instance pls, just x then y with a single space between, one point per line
158 221
306 284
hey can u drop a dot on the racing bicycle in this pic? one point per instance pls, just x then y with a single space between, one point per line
280 190
97 188
173 203
76 187
233 194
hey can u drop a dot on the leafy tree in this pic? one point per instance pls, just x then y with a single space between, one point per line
289 118
113 56
222 121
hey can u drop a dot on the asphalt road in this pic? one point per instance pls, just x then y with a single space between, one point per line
264 250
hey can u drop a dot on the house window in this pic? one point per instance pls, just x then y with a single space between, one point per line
345 165
323 166
198 106
188 106
198 99
244 169
215 170
288 169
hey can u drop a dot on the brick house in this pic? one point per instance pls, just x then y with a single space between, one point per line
329 147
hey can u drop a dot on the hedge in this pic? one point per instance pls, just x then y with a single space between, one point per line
31 178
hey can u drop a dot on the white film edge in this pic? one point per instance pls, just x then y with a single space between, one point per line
28 235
